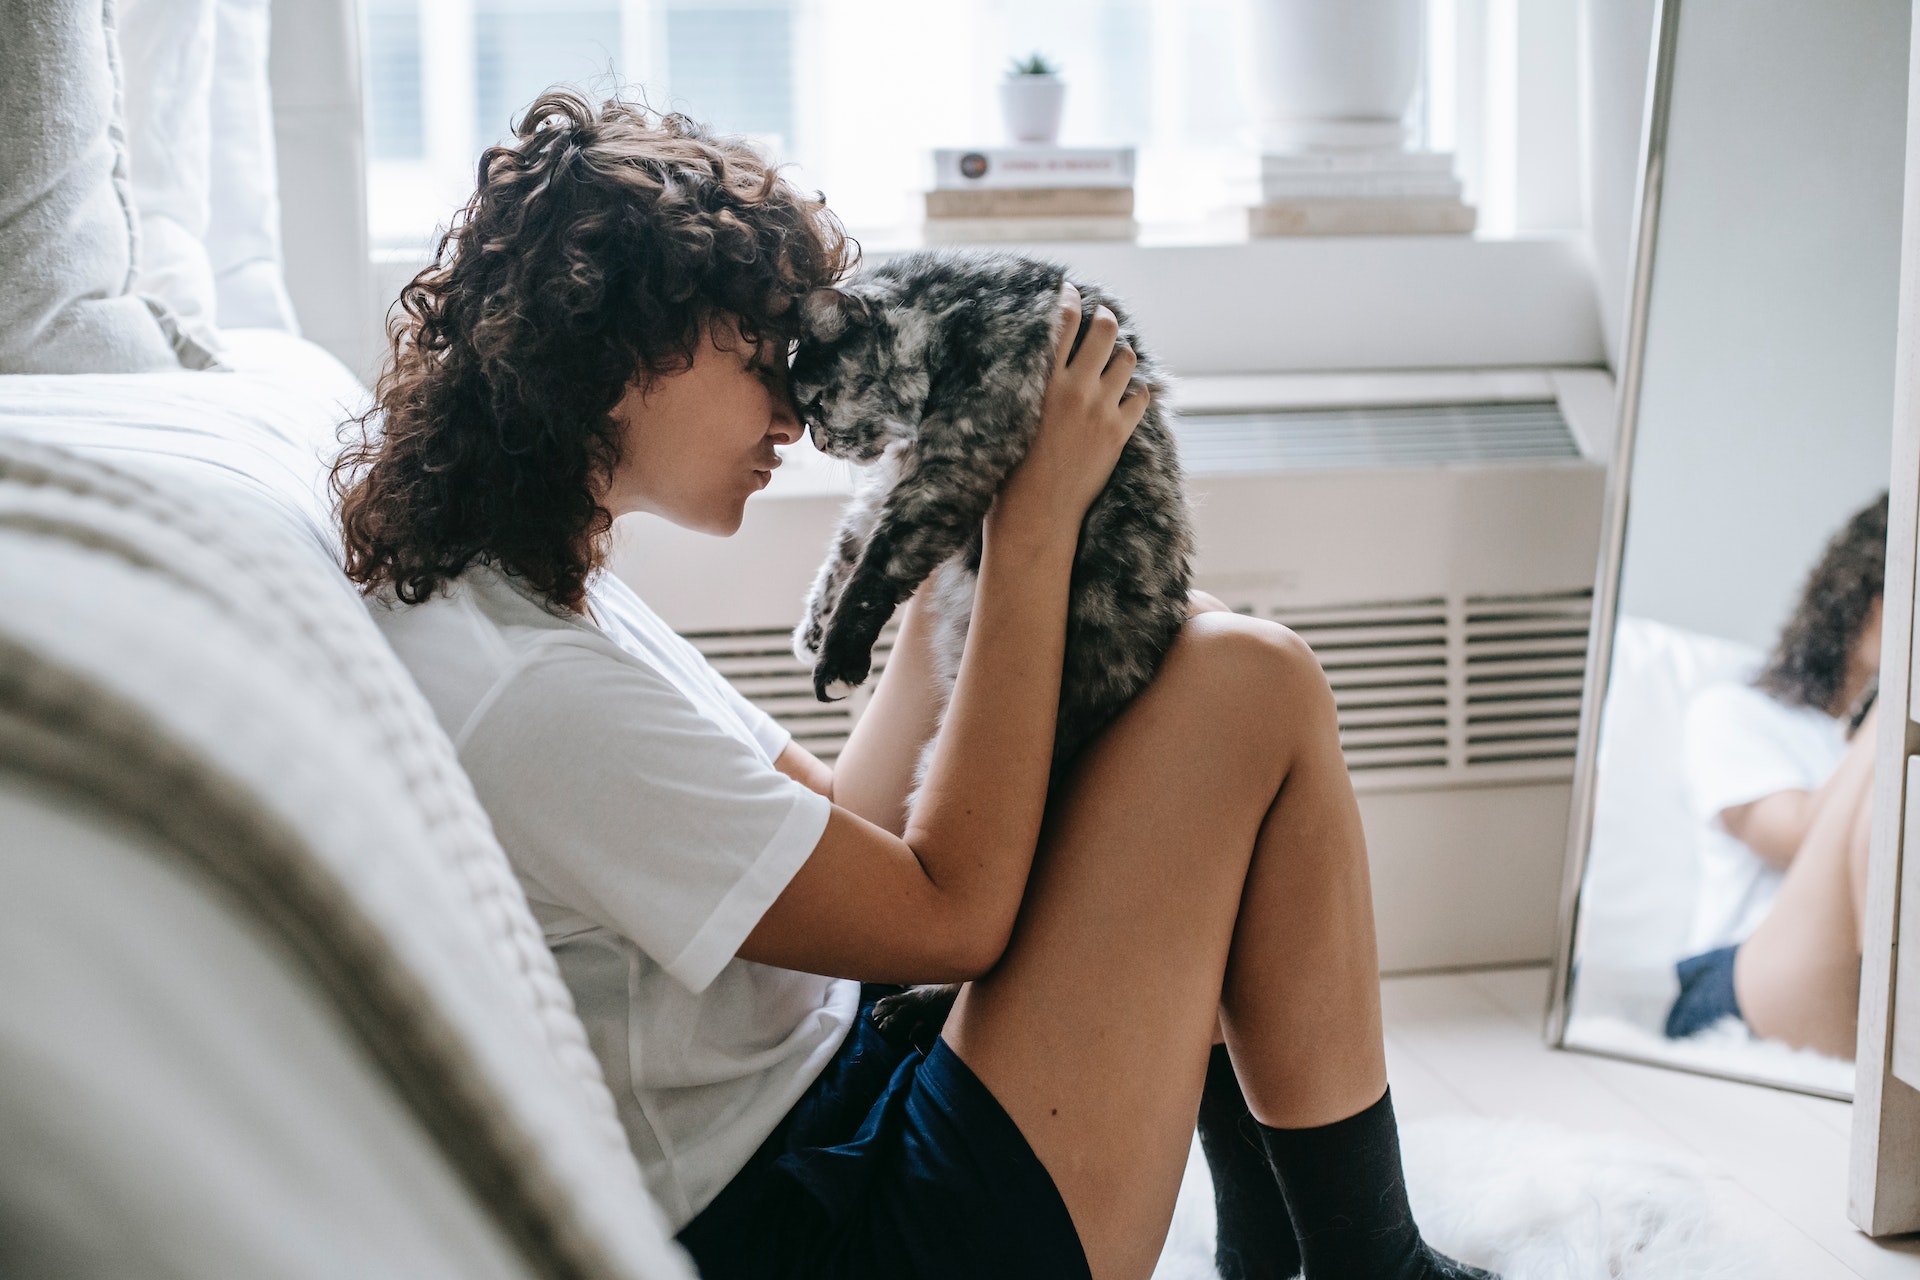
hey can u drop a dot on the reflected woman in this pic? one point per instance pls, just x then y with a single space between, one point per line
1781 774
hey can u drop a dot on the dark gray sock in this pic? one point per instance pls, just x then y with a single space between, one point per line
1348 1198
1255 1240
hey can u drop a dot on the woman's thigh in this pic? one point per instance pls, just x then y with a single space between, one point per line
1797 977
1093 1030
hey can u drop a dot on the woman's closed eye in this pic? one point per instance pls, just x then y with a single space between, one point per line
773 376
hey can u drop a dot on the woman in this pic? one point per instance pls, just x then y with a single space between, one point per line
605 331
1781 775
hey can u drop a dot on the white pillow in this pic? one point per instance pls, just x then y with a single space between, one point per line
166 49
243 227
1636 905
68 233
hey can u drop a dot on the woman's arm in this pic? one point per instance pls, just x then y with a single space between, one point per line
938 902
875 770
1775 826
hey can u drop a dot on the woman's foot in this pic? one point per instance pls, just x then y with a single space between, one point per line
1347 1196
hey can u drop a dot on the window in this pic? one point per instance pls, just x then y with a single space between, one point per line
734 68
522 46
851 94
394 129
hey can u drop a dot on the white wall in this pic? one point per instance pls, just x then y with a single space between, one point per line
1766 409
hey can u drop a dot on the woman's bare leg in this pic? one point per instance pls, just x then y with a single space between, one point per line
1208 840
1798 976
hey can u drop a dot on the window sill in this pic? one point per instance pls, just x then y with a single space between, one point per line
1221 306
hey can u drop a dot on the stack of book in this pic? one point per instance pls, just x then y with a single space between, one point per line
1359 192
1031 193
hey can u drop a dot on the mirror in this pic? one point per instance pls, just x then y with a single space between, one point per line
1738 577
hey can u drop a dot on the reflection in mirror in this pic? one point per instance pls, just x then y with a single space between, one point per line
1719 846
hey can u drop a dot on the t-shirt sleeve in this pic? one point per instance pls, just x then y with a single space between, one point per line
772 736
1738 750
616 797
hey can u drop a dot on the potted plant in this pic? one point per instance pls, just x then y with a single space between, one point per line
1031 98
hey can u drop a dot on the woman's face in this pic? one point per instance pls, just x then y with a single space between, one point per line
695 443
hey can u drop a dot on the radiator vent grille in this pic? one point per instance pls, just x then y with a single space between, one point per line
1526 659
761 665
1443 688
1374 436
1461 687
1388 665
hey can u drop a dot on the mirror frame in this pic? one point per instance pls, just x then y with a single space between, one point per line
1646 223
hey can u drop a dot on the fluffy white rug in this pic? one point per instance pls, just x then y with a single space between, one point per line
1532 1202
1619 1008
1726 1047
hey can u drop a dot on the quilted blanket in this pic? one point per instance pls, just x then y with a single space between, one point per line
196 665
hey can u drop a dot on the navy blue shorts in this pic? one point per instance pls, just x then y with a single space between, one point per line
893 1164
1706 993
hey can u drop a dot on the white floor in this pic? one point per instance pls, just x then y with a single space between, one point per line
1469 1044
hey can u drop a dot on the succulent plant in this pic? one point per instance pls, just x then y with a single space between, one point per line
1034 64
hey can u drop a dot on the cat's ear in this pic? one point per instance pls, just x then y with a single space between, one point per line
829 311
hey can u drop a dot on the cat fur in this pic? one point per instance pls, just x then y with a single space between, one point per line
930 371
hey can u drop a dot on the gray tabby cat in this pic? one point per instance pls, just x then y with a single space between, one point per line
930 370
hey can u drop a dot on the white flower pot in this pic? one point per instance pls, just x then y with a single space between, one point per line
1031 107
1335 73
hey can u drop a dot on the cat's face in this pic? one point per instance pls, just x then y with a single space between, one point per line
860 374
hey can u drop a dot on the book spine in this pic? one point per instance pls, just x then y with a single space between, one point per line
1305 162
1027 230
1360 217
1008 167
1359 186
1028 202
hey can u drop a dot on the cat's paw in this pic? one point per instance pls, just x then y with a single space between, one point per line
808 636
841 668
915 1016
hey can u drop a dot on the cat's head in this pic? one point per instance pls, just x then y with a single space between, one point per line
859 375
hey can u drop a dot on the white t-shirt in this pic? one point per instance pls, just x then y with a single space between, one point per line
1742 745
634 792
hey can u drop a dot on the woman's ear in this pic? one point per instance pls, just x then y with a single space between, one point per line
830 310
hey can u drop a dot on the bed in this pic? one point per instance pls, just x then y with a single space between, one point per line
275 1005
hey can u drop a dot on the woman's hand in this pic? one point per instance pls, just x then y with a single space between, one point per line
1092 406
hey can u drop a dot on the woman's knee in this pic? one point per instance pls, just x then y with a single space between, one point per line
1254 665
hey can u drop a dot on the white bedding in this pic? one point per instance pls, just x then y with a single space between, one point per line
195 598
1636 901
270 423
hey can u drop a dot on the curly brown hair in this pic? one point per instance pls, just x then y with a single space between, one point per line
597 249
1808 667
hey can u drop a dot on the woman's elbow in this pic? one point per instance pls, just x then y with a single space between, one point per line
978 961
970 948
